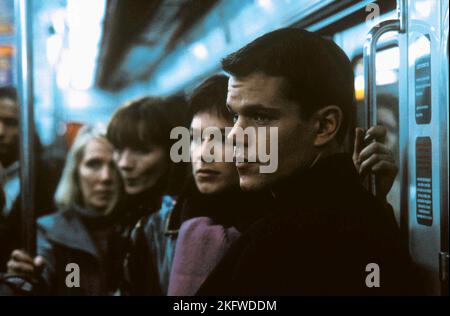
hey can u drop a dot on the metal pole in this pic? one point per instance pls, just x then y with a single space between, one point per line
23 22
370 84
402 12
369 54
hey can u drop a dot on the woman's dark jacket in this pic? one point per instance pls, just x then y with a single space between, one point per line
96 243
148 265
152 247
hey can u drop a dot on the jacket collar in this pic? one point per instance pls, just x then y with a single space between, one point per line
328 175
69 230
144 202
231 208
326 178
171 221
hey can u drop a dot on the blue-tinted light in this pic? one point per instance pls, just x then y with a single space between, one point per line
200 51
84 20
267 5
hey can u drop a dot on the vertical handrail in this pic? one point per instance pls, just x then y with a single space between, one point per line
370 51
23 22
369 56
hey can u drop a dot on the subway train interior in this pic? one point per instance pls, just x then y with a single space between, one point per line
74 62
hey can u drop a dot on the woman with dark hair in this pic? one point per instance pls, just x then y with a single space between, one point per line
138 143
140 134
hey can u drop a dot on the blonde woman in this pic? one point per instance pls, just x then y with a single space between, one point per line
80 248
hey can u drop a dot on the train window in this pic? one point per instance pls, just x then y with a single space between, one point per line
387 65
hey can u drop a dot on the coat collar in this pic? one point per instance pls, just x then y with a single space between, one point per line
67 229
231 208
328 177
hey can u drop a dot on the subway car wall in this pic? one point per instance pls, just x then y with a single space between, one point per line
72 72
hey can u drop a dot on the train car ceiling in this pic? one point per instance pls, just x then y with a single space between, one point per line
137 35
344 15
170 44
184 40
113 51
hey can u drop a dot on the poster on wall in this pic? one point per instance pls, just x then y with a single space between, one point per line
6 17
6 65
6 42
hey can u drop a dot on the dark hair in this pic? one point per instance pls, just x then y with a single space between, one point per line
317 72
147 121
211 96
8 92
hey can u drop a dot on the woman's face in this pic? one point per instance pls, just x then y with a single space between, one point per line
141 170
98 177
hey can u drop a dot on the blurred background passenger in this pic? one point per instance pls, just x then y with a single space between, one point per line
89 229
10 218
387 108
140 133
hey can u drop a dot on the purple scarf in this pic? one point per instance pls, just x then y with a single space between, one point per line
200 246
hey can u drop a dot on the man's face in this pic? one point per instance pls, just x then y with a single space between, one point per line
9 130
257 101
211 177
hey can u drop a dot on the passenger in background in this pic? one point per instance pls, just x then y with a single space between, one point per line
10 218
387 108
89 230
174 250
140 134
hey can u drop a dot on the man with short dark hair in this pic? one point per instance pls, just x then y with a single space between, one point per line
326 228
9 126
175 249
9 169
10 176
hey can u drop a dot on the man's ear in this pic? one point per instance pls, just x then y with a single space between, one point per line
328 122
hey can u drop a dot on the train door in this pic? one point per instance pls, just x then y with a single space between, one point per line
401 81
426 74
422 125
387 59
